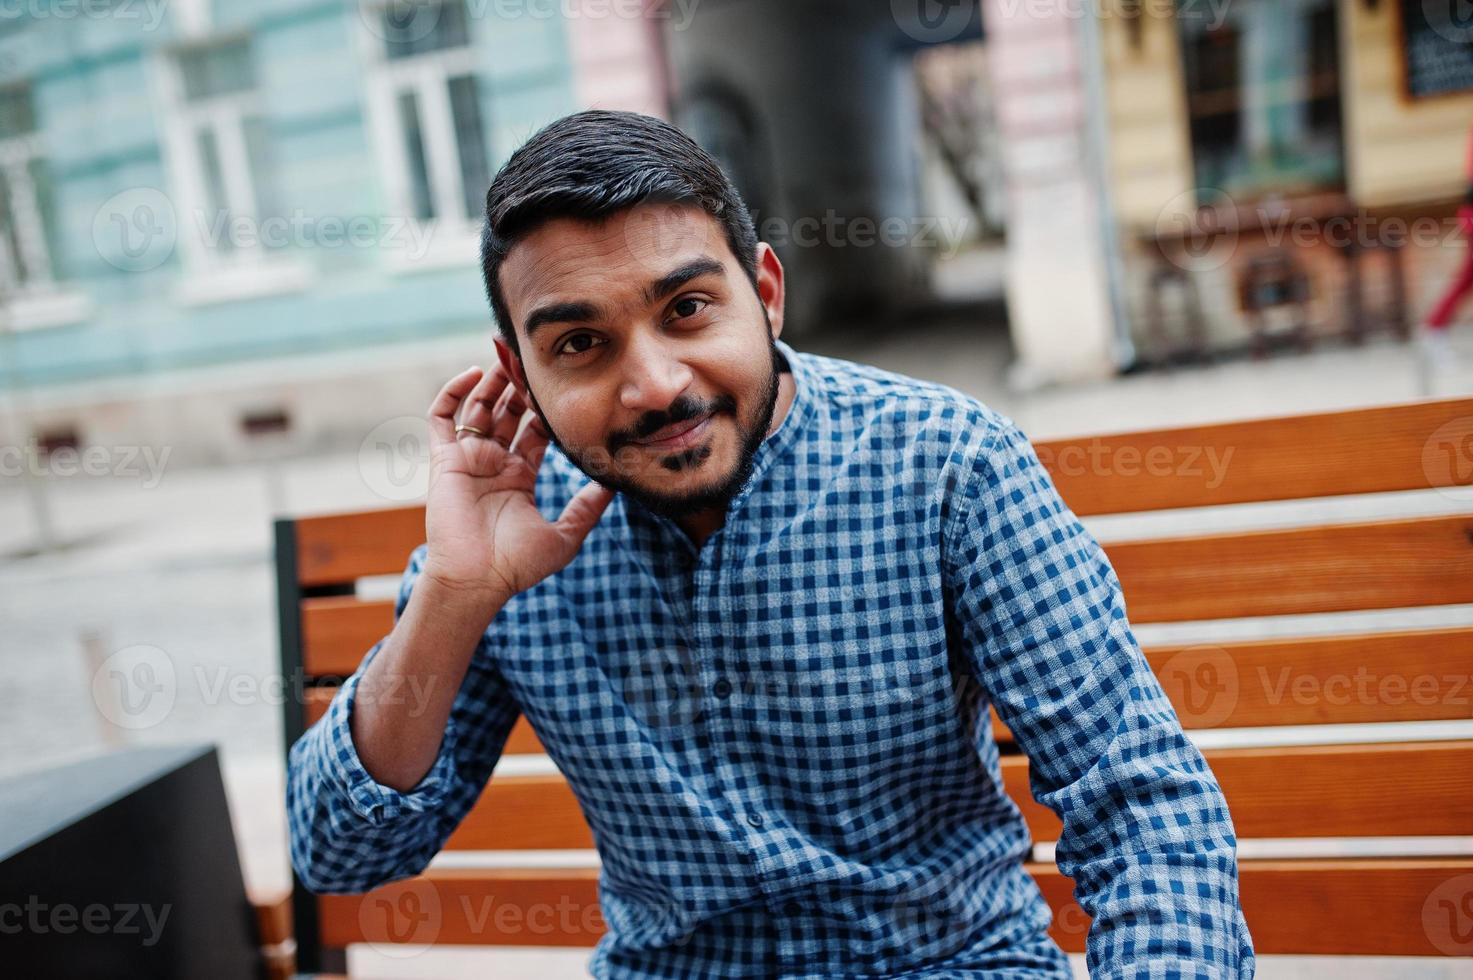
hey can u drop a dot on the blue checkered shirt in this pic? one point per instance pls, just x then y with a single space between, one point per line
780 739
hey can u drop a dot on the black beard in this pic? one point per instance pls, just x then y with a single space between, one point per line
675 506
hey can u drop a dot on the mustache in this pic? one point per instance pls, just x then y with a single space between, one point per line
683 409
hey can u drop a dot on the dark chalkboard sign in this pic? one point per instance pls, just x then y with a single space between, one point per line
1437 47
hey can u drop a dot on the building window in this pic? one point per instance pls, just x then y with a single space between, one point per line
426 111
1263 84
217 151
26 215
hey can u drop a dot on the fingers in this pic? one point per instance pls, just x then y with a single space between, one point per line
479 409
442 409
507 415
584 511
532 441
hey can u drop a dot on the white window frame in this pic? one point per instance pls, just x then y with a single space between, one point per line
453 235
39 301
212 275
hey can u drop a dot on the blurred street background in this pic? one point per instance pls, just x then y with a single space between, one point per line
238 257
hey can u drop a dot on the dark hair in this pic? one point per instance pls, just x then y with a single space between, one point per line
593 164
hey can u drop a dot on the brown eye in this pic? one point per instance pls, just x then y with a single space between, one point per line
688 307
579 343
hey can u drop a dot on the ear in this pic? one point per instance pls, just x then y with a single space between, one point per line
512 364
770 285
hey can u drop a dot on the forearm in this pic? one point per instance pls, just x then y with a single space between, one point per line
406 693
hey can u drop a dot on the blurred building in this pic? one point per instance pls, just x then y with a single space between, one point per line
1284 173
224 219
228 224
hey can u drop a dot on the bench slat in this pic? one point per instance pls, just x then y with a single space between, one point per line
1351 906
1339 568
1387 907
1402 789
1283 458
337 549
1412 675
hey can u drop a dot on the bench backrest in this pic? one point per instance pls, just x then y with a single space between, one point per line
1407 778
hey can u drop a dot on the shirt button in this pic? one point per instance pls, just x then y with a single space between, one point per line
755 819
722 688
791 908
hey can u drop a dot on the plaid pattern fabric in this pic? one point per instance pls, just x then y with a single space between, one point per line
781 742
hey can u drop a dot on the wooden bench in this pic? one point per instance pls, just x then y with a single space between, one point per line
1398 782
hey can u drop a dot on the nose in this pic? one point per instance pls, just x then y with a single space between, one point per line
652 376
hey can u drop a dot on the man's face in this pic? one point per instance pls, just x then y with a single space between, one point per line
646 351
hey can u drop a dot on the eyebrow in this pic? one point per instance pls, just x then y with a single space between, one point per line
581 311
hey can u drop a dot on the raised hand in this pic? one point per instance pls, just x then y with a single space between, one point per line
485 532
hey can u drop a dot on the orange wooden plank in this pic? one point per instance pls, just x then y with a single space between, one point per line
1388 907
1374 565
337 631
1412 675
1348 906
336 549
1414 446
1397 789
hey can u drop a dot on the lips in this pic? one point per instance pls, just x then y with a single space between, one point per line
677 435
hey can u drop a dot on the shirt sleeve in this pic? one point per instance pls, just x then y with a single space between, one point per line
350 833
1147 837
